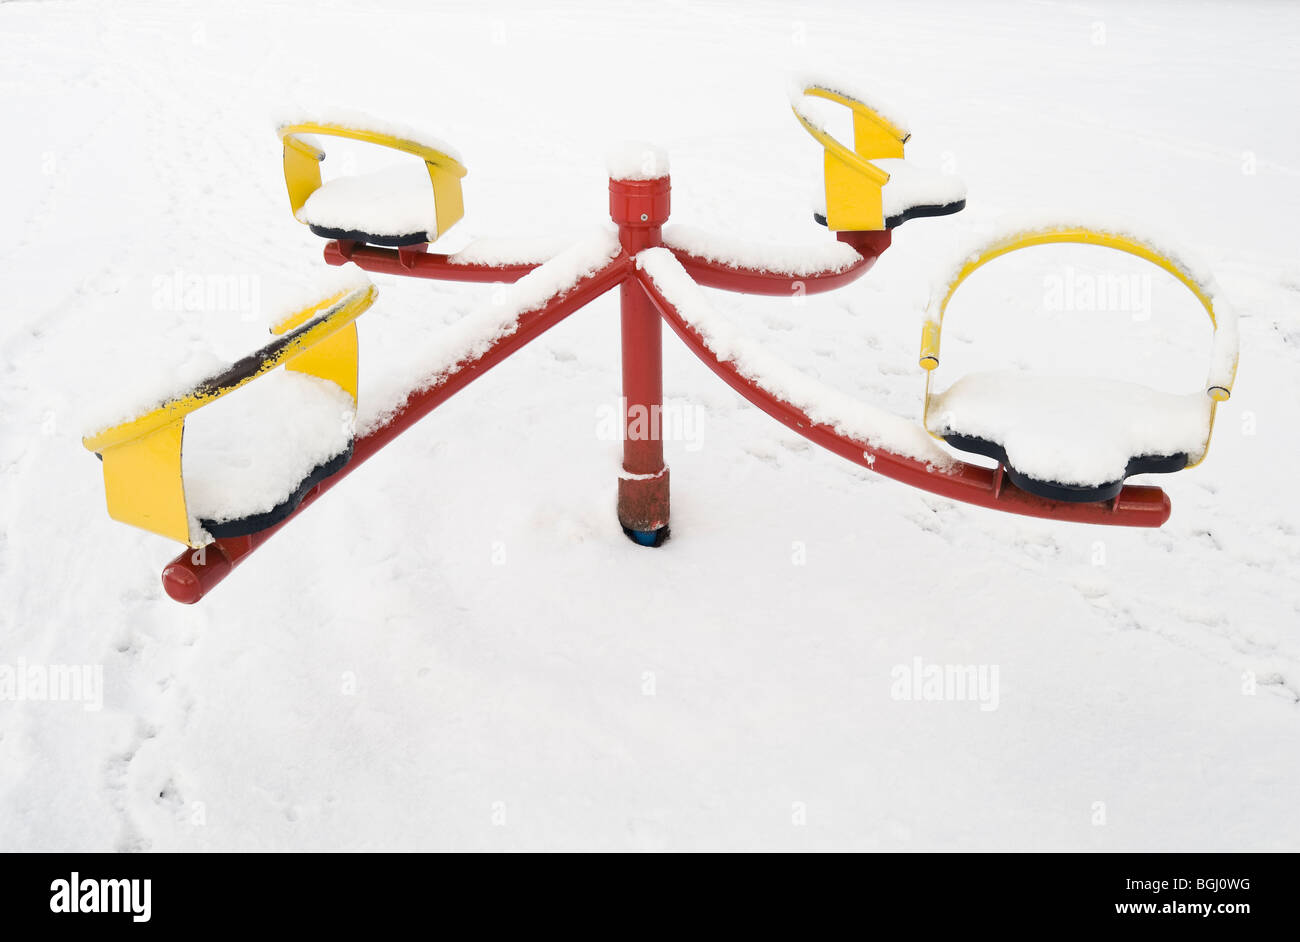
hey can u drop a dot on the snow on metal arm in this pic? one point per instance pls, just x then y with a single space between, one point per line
537 303
865 435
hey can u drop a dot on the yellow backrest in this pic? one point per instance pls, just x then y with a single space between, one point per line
853 184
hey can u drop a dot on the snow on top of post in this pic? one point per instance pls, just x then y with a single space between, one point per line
840 86
353 120
636 160
823 404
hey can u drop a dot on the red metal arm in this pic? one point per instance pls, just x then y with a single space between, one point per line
194 573
714 274
416 261
1136 506
640 207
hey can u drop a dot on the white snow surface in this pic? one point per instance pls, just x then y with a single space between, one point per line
824 405
1070 429
394 201
457 647
826 255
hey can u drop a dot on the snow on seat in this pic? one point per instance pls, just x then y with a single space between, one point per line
393 206
914 191
1070 438
911 192
247 463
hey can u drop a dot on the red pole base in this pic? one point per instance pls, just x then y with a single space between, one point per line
643 501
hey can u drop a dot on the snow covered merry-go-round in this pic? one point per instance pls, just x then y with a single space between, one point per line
385 221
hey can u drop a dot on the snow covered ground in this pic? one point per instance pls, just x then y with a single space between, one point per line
459 648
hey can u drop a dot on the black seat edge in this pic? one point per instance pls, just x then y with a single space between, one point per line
243 526
355 235
1068 493
914 212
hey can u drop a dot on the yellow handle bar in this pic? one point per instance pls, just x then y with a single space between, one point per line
1219 387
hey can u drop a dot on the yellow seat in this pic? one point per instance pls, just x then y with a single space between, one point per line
143 478
400 206
871 187
1077 438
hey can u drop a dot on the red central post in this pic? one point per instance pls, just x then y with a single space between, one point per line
640 208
